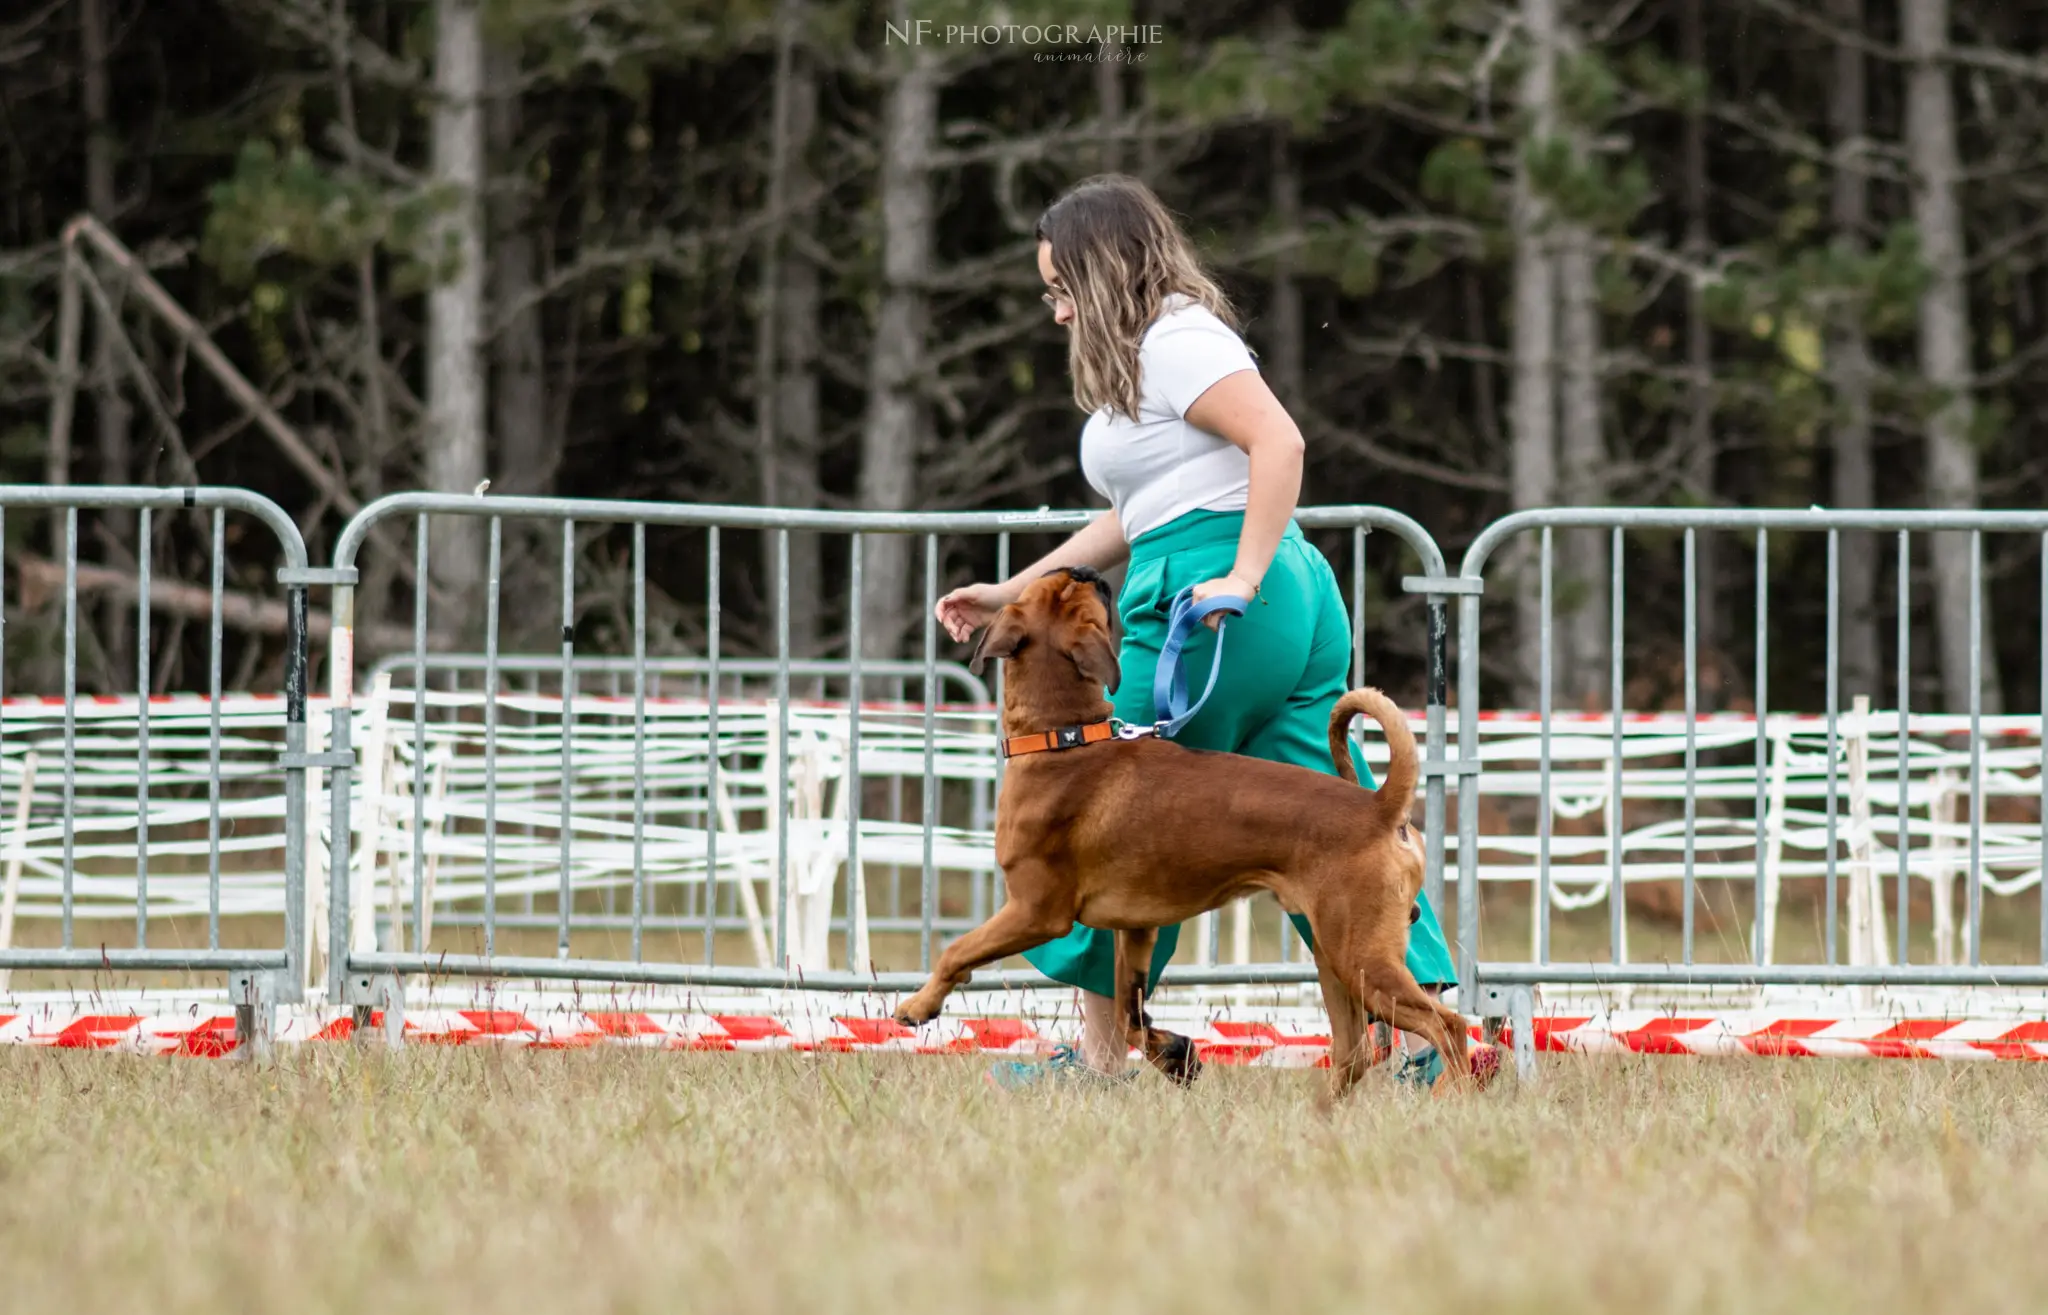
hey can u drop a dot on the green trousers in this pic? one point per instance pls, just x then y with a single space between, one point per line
1286 661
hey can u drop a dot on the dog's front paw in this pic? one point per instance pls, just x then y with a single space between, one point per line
914 1013
1174 1055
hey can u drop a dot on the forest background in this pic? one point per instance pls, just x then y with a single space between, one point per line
1492 254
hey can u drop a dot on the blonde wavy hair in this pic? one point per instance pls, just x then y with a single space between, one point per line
1120 255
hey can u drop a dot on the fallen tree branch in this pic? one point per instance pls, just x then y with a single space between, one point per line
84 228
1351 441
42 579
153 295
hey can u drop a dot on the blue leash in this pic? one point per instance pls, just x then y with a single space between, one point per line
1170 679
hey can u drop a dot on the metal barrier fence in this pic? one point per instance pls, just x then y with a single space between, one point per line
1503 987
614 799
417 784
1639 843
365 973
180 786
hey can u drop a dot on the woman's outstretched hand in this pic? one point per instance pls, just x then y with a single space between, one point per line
969 608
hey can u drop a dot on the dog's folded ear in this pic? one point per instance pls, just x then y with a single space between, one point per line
1094 654
1000 638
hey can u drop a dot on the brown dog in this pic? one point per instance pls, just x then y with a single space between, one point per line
1131 835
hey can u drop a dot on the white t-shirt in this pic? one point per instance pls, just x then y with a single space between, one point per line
1161 467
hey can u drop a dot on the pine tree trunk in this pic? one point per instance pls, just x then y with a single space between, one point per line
1944 335
1580 578
455 430
1148 152
1700 457
1855 472
1109 100
1283 329
527 458
786 382
799 414
115 417
1533 404
894 428
798 420
374 593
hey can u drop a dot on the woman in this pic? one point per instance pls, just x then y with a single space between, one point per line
1202 467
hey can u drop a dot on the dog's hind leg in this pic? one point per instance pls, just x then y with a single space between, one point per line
1012 929
1169 1052
1353 1047
1390 992
1460 1032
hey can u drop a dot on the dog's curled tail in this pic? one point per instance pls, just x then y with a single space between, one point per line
1396 795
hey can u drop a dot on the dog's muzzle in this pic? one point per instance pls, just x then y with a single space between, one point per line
1414 914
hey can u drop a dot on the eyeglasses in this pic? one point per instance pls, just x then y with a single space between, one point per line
1056 296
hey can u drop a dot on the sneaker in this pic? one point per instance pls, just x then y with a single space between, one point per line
1425 1066
1064 1065
1422 1068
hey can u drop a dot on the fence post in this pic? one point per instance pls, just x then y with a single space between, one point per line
1522 1024
254 995
1469 987
257 995
1436 585
299 761
340 758
1773 857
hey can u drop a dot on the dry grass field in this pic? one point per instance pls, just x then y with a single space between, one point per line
560 1183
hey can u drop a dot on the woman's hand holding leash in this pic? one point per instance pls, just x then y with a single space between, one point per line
1229 586
1169 679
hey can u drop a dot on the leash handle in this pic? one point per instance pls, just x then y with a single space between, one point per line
1170 679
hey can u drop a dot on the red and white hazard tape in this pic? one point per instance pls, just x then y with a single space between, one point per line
200 1034
1256 1044
1645 1033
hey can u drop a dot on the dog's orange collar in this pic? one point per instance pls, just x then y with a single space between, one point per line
1064 737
